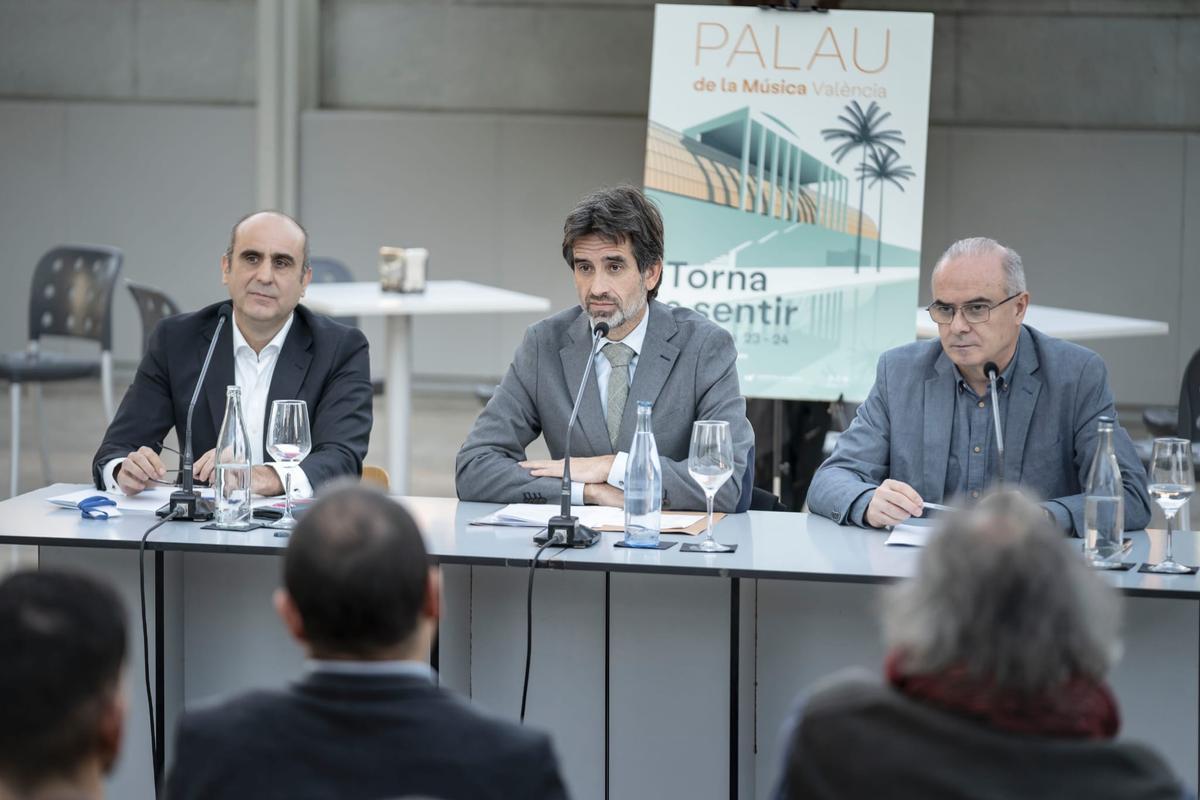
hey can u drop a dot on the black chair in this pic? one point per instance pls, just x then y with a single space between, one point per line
153 306
1188 417
762 500
1183 419
330 270
71 296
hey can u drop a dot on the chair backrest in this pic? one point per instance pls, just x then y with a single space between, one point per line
377 476
330 270
1189 400
72 293
153 305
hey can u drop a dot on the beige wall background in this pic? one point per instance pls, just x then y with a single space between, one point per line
1069 129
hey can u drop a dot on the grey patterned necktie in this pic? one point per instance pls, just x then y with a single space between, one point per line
619 355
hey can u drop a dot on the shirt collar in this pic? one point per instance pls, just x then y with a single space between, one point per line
1004 383
637 336
277 341
415 669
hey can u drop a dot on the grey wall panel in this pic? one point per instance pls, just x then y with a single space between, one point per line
196 50
172 50
67 48
1098 71
1096 217
586 58
487 194
163 183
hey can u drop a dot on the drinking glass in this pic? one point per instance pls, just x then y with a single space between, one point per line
288 441
1172 482
710 463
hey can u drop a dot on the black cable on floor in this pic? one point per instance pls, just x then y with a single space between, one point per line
529 625
154 743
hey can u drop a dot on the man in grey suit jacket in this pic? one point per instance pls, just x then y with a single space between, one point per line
671 357
925 431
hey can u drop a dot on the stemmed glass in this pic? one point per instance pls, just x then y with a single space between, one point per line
288 441
710 463
1172 482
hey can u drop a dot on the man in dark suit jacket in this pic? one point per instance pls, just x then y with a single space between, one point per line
368 720
272 348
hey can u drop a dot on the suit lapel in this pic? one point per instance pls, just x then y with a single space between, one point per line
653 368
939 421
1023 396
574 357
220 375
291 367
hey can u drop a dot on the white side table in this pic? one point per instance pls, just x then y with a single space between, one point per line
440 297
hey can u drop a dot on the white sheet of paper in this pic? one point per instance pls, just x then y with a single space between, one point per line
528 515
911 534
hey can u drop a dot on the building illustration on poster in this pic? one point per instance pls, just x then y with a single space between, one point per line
776 144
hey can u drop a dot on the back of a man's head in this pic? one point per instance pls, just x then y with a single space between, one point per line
1001 592
62 647
356 570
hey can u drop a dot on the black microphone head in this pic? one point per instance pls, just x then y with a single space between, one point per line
226 310
990 369
601 329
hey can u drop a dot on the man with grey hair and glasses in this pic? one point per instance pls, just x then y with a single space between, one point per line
997 653
926 434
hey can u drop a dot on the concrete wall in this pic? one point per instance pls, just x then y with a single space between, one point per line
1068 128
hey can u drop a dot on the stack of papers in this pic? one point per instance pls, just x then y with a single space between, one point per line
146 502
527 515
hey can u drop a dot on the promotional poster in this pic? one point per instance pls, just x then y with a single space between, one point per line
787 153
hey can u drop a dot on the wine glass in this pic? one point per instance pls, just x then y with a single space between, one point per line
288 441
710 463
1172 482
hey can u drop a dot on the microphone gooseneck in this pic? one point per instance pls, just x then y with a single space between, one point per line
598 333
993 375
186 466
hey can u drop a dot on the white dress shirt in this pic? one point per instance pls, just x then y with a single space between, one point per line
634 340
252 374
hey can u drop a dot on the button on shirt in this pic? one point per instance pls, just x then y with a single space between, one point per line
634 340
253 372
974 459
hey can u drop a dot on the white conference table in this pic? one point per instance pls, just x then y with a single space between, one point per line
658 673
1066 323
367 299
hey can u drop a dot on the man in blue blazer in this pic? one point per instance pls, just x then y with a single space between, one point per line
925 431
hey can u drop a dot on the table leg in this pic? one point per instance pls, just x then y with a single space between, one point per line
398 399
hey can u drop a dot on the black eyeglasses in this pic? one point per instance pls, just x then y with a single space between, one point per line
974 313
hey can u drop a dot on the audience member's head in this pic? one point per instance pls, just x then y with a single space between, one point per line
1002 594
357 581
62 647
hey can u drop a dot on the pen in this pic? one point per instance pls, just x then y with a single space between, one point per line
937 506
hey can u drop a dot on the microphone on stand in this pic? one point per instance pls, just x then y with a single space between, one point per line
565 530
993 375
186 503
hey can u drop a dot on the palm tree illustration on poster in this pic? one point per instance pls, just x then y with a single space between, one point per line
863 131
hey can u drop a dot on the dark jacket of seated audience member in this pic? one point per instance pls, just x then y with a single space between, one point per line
355 736
859 738
367 721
